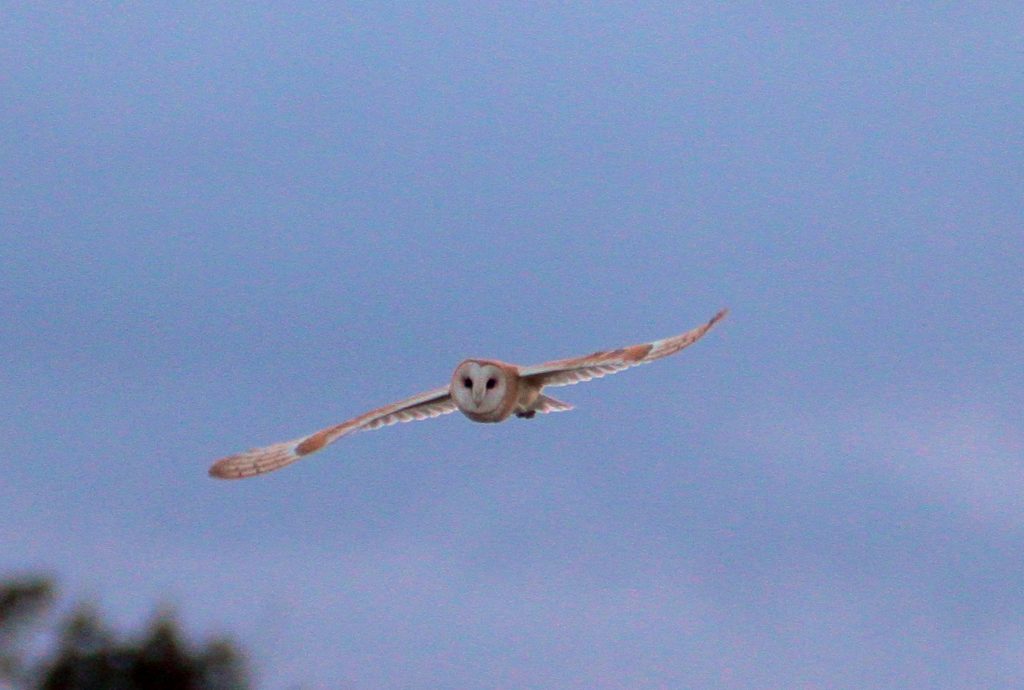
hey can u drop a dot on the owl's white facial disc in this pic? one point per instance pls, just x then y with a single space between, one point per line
478 388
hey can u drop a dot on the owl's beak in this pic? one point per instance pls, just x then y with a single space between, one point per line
478 395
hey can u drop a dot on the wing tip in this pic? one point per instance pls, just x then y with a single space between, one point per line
226 468
700 331
254 462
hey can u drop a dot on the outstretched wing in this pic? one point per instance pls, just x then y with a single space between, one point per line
565 372
261 460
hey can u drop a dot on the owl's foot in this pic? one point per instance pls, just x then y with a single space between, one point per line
526 414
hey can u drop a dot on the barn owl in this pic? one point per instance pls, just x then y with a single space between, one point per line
485 390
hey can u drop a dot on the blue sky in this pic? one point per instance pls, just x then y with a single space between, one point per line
225 226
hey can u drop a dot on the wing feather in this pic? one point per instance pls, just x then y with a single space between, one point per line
566 372
432 403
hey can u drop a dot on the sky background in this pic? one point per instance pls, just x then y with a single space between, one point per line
223 226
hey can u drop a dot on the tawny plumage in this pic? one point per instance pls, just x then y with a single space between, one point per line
485 390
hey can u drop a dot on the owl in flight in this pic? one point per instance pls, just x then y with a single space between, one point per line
485 390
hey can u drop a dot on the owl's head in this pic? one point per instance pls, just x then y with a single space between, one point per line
479 387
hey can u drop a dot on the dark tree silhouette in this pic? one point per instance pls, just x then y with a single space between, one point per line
90 657
22 602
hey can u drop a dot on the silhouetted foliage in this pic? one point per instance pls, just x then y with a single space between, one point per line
21 604
90 657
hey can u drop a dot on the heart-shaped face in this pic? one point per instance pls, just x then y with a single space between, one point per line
480 389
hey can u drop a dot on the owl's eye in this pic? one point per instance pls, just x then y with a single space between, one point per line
467 382
491 383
